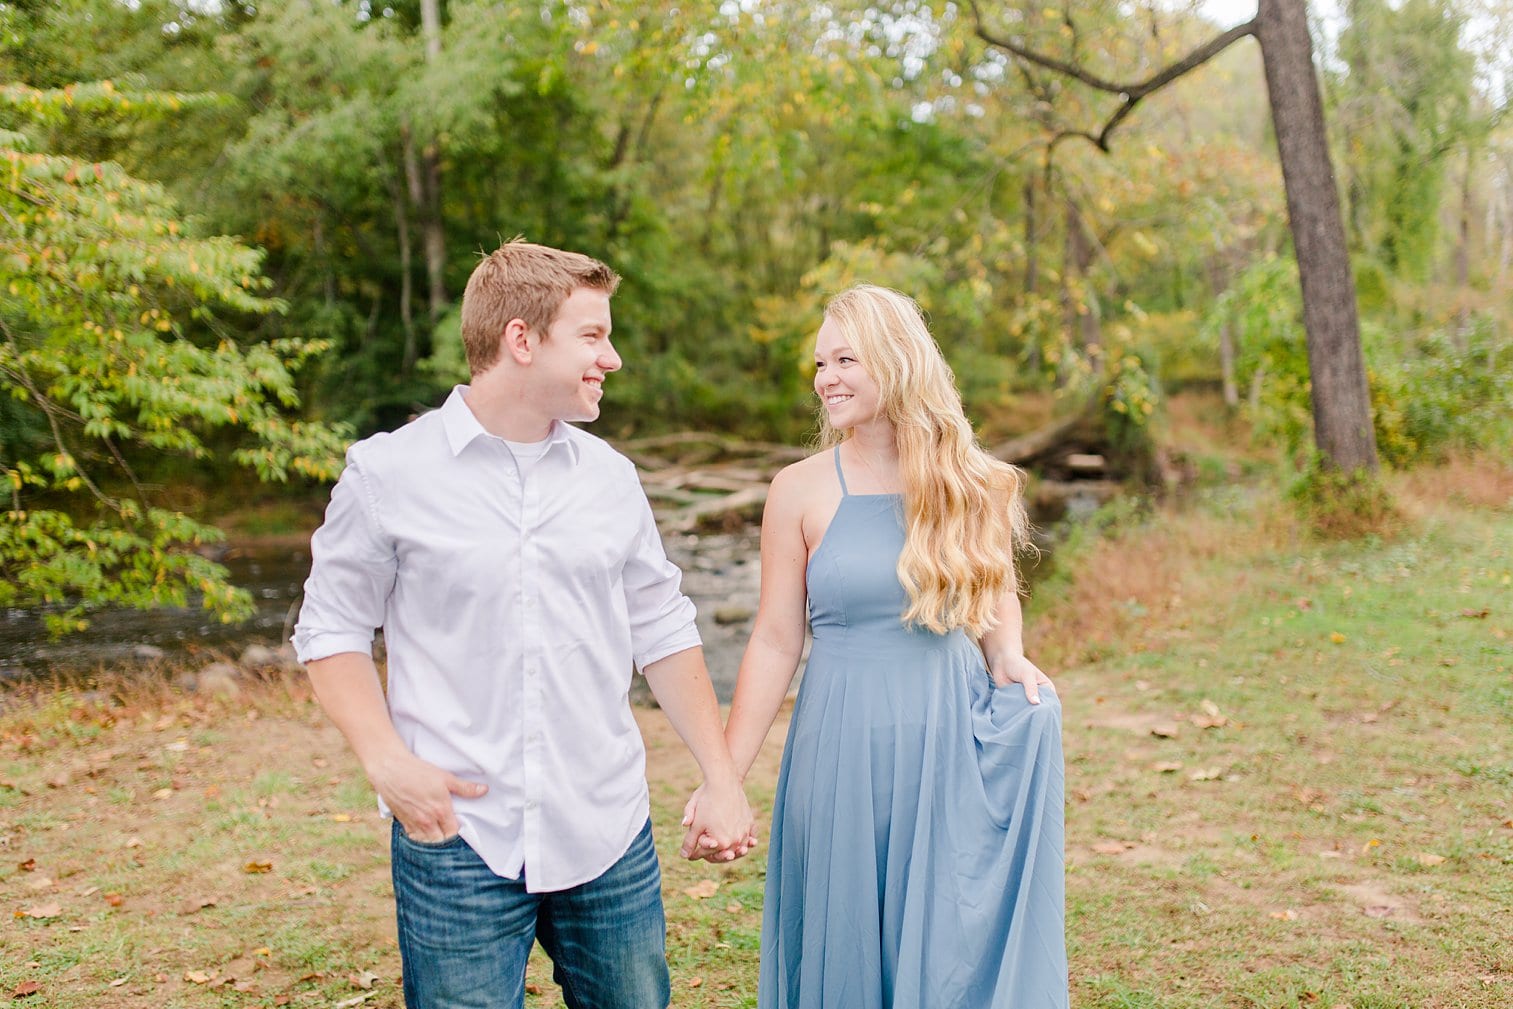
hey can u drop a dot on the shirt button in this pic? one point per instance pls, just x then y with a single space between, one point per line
530 804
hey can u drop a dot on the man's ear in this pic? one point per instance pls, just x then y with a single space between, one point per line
515 343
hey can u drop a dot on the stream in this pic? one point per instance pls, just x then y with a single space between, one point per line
720 574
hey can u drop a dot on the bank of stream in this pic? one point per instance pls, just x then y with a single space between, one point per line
721 575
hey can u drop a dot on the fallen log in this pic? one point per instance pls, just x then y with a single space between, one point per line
685 519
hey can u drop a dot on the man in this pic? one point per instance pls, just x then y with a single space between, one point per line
514 566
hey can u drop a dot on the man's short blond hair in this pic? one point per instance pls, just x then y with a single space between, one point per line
522 281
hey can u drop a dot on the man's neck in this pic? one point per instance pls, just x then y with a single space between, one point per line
503 415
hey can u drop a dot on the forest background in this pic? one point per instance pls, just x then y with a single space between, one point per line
235 237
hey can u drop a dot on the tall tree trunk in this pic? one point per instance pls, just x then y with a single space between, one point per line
406 274
1337 370
1082 308
429 204
1463 257
1227 363
1218 278
1031 268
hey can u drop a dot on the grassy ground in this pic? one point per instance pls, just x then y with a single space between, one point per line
1289 775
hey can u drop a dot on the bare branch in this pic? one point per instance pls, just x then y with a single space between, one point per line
1129 94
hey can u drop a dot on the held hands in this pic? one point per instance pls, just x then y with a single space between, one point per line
721 827
420 795
1010 668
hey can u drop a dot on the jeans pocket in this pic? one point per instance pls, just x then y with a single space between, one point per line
405 838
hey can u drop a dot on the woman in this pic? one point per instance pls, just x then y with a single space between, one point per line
915 858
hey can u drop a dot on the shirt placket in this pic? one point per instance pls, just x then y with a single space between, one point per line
533 682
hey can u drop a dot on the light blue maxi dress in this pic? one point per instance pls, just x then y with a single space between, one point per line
915 859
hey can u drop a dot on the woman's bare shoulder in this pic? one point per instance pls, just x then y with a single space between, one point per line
806 476
804 490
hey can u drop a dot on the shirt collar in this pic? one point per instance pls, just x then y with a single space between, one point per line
462 427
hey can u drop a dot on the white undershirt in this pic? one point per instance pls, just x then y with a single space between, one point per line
527 453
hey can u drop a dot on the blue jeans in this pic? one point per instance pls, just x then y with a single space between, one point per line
465 934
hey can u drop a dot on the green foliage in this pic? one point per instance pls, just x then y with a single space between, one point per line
1430 394
1405 103
1441 393
117 347
1129 401
1340 505
1265 308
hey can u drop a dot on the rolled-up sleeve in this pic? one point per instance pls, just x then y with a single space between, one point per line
352 572
661 616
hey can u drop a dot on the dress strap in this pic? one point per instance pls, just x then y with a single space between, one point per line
839 473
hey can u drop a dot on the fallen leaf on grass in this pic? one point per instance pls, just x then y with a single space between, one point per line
177 746
1287 915
533 989
162 793
733 907
196 977
359 1000
1337 637
364 979
1378 910
341 818
1207 774
1425 858
703 889
247 988
198 903
26 988
118 982
256 867
1164 730
133 842
1111 847
1480 614
42 911
694 982
114 899
29 865
1167 766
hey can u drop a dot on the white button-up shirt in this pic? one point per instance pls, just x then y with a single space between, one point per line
512 610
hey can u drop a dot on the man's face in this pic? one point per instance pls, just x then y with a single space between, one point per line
568 367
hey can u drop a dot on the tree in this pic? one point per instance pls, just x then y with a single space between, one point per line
1341 400
114 349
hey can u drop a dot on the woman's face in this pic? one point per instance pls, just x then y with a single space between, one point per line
848 393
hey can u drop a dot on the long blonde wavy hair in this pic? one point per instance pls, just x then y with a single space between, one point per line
963 509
